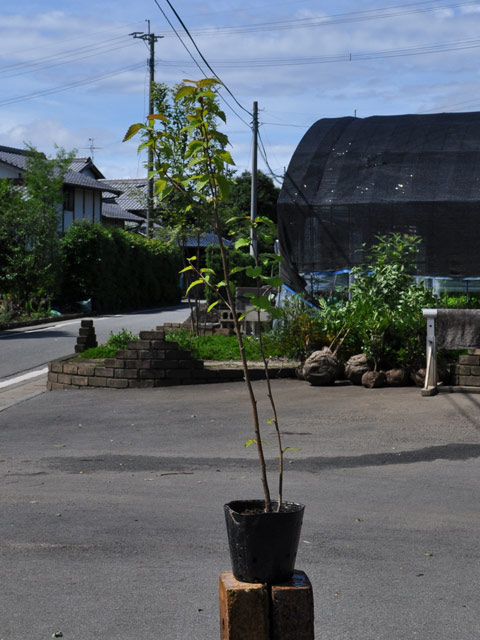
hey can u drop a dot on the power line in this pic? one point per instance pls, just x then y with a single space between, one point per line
278 178
70 85
195 61
60 54
348 57
35 67
288 25
203 57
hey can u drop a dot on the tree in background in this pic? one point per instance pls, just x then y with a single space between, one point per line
238 205
179 219
29 229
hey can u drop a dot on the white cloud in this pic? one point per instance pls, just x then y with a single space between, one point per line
293 94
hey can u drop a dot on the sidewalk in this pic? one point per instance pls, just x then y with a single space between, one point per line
112 522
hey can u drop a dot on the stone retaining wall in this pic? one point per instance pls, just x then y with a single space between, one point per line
467 371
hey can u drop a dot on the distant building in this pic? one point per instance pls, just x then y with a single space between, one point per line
352 179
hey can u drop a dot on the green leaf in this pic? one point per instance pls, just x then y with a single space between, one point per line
195 283
132 130
237 270
184 91
273 281
226 157
207 270
224 186
192 258
158 116
254 272
214 304
160 185
261 302
242 242
189 268
202 182
249 442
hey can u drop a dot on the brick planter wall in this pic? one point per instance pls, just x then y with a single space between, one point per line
467 371
148 362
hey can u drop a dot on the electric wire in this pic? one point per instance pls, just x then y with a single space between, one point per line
203 57
441 47
61 54
43 67
275 176
70 85
197 64
287 25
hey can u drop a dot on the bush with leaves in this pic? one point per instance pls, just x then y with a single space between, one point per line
118 270
385 309
29 238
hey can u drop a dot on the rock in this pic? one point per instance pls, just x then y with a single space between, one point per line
299 372
356 367
374 379
397 377
418 377
321 368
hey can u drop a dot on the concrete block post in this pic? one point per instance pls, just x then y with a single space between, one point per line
266 612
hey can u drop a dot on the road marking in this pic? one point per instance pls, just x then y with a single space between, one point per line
24 377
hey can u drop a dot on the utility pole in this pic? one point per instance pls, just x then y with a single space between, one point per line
149 38
253 197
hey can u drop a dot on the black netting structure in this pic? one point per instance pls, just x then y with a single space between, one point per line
351 179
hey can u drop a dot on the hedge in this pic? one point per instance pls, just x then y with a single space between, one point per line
117 270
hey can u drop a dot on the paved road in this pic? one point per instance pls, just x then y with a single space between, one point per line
26 352
112 523
32 347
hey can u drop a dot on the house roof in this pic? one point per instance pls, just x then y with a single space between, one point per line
15 157
83 164
73 177
134 192
114 211
76 179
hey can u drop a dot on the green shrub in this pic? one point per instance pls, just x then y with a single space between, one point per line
118 270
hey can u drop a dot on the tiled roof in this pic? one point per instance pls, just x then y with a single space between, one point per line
15 157
134 192
81 164
111 210
75 179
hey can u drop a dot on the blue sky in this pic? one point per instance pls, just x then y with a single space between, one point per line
72 76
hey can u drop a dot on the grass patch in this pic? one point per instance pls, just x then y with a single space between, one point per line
221 347
115 341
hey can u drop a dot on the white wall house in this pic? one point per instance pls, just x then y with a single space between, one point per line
82 189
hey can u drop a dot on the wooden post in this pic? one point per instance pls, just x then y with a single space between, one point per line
244 610
266 612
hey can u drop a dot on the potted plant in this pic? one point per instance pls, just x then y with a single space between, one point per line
263 533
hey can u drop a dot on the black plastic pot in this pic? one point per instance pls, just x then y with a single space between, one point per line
263 546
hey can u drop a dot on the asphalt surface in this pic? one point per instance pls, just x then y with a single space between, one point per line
112 524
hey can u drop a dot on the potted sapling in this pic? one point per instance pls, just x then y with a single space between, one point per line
263 533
